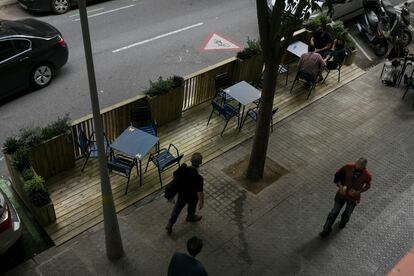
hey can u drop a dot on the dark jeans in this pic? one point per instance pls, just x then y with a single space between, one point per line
339 203
179 205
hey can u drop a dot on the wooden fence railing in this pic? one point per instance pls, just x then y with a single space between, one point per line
199 87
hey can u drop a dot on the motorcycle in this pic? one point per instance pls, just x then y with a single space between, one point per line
381 25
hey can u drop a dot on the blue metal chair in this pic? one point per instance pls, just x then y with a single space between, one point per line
141 118
253 114
284 70
222 82
122 166
410 85
88 147
308 78
164 159
225 111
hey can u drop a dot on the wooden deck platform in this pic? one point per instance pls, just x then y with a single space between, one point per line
77 196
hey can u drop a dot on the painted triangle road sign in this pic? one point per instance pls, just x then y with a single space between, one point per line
217 42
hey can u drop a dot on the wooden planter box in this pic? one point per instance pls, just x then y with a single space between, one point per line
349 59
53 156
167 107
44 215
248 69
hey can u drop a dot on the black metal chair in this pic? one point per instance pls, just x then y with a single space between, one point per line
329 69
410 85
122 166
165 159
307 78
89 148
253 114
141 118
284 70
226 112
222 82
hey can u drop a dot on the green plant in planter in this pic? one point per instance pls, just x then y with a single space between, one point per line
160 87
322 19
58 127
28 173
338 30
21 159
31 136
11 145
253 48
37 192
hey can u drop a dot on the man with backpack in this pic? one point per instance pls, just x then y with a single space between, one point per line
188 183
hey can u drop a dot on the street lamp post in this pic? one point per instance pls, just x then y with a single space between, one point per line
114 249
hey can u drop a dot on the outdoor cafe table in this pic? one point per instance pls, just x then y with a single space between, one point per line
136 144
244 93
298 48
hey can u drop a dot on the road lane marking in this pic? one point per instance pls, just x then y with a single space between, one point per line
360 48
105 12
156 37
94 10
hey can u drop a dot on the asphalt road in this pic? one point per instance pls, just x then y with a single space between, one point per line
123 74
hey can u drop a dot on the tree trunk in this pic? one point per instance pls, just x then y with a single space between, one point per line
261 139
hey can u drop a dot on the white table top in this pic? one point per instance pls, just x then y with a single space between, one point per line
298 48
243 92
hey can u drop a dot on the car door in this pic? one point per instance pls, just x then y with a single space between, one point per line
346 9
14 65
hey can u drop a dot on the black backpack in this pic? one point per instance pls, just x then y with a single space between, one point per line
172 188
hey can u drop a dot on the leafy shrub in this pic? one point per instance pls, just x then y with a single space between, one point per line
37 192
322 19
159 87
31 136
21 159
253 48
338 30
37 183
27 174
60 126
177 81
11 145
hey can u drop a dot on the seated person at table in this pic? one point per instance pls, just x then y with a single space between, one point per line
322 41
311 64
337 55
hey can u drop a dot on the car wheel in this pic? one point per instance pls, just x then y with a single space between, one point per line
42 75
60 6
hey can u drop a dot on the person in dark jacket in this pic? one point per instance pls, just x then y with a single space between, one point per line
190 191
351 180
182 264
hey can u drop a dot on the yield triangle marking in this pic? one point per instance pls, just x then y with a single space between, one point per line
217 42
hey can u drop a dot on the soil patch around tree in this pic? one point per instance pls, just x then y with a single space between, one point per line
272 172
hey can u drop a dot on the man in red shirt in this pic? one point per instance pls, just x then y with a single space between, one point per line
351 180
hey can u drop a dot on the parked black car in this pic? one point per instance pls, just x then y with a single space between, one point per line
30 52
56 6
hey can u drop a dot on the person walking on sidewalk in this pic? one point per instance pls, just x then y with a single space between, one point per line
182 264
351 180
190 191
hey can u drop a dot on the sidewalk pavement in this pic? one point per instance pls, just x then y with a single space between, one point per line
276 231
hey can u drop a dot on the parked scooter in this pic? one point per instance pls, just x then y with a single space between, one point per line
381 25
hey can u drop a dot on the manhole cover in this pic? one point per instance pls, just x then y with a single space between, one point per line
272 172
